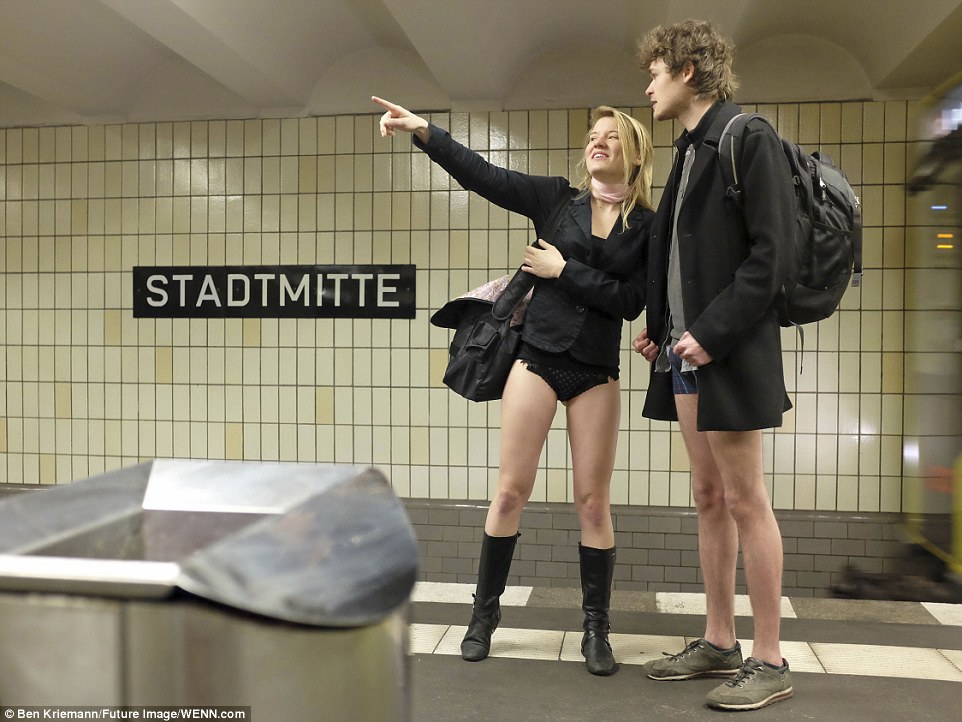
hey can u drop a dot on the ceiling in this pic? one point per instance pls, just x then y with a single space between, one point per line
114 61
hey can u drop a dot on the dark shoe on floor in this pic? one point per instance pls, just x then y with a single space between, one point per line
598 655
755 686
698 659
477 642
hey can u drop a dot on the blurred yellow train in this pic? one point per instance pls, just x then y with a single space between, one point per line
932 445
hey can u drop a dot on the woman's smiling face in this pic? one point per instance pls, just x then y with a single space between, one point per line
604 156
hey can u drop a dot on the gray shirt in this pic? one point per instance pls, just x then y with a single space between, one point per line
676 304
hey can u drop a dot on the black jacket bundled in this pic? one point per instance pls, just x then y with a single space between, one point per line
733 264
582 310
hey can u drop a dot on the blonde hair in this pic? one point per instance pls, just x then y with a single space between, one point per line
698 43
636 154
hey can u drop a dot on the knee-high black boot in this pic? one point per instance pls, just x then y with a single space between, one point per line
496 553
597 571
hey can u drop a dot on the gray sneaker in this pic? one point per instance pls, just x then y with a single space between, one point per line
698 659
757 685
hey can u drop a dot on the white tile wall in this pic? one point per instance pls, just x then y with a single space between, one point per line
86 387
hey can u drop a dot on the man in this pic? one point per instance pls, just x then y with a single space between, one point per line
713 338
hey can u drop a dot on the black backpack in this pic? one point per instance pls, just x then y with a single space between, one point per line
828 228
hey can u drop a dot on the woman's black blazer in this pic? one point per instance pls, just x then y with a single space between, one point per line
602 283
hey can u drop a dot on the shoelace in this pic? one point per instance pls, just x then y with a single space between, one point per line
692 646
747 671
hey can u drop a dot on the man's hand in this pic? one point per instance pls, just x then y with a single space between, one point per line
645 346
688 349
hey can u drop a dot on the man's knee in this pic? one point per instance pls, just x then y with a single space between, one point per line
746 502
707 492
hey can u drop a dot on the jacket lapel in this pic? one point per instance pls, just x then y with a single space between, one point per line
581 211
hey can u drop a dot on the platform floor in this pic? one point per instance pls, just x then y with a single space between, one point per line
850 659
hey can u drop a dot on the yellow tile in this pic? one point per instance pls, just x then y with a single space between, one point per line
420 445
893 290
851 161
892 414
871 372
112 327
343 134
62 400
679 454
307 174
40 145
894 205
127 137
892 373
658 488
290 134
869 466
325 405
438 360
164 365
3 436
851 122
848 453
873 122
896 115
873 167
680 489
783 451
478 135
830 123
556 485
847 490
805 486
890 494
826 490
894 162
252 332
827 410
808 123
848 372
48 469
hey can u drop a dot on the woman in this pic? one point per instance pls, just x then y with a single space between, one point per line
590 276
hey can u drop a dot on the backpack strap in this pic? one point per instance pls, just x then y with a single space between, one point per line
729 150
857 243
522 282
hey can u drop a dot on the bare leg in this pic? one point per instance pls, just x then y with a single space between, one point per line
593 419
717 534
738 455
528 406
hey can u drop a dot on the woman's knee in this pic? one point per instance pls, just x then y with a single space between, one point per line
510 500
594 510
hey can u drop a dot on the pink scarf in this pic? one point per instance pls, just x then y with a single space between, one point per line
609 192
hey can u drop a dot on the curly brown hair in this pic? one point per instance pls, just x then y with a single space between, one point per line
698 43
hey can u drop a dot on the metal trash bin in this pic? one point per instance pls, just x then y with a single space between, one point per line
282 587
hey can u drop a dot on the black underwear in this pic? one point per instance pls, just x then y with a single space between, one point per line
568 383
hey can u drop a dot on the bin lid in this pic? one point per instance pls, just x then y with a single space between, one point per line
325 545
